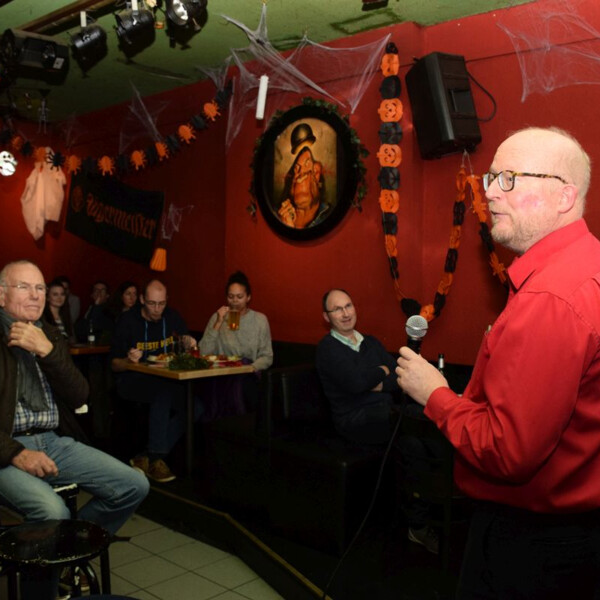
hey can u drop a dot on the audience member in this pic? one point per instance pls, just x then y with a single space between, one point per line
56 310
151 329
357 374
72 300
526 427
40 388
96 322
124 298
236 330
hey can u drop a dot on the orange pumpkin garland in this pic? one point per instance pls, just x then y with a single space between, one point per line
390 156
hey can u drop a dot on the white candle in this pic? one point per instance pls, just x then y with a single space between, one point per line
82 19
262 96
134 4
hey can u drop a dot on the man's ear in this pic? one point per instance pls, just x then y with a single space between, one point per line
2 296
326 317
568 198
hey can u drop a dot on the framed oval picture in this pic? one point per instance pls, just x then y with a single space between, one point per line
305 172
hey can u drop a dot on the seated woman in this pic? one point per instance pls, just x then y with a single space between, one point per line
56 311
249 338
124 298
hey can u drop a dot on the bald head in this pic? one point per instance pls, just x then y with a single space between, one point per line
154 300
551 178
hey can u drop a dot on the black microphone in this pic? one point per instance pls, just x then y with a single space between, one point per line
416 328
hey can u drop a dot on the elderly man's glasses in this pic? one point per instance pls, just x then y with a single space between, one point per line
506 179
338 310
29 288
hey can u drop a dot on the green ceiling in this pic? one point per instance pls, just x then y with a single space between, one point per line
160 67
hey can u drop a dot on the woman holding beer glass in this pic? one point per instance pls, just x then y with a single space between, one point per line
236 330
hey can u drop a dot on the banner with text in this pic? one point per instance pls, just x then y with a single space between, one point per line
114 216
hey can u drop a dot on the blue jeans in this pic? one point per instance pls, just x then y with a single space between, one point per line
166 399
117 489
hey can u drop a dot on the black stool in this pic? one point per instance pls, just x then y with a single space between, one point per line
55 543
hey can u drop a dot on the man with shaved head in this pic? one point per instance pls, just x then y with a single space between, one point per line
527 428
151 329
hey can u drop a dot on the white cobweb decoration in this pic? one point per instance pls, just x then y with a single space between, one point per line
140 122
555 46
171 220
307 70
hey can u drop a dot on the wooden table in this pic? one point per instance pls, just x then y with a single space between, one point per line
188 376
86 349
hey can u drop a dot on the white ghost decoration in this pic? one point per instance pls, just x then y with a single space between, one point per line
8 163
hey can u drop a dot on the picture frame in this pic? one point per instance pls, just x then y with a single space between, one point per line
306 172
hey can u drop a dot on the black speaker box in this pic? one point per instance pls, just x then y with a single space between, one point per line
443 111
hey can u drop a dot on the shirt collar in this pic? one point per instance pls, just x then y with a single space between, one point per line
347 341
523 266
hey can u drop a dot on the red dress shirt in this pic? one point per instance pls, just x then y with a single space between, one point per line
527 428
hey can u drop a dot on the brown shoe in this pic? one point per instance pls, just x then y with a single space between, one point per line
140 464
159 471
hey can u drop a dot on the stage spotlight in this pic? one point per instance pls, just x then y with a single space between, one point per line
185 18
135 29
34 56
89 45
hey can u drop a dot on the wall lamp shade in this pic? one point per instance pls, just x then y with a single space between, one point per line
8 164
35 56
89 46
135 30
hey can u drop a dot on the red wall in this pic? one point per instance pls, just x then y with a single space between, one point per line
288 278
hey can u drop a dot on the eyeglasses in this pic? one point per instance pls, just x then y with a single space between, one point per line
153 304
506 179
29 288
338 310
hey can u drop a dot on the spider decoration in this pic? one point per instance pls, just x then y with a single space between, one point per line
73 164
162 150
138 159
56 159
39 154
186 133
211 110
106 165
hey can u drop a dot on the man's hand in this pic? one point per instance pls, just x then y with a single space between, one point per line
35 463
134 355
417 377
29 337
189 343
287 213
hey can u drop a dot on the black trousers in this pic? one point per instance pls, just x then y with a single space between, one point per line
515 554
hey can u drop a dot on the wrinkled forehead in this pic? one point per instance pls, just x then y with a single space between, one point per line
26 273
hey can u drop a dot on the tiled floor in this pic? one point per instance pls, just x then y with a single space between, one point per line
159 563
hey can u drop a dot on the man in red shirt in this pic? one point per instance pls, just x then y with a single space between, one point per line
527 428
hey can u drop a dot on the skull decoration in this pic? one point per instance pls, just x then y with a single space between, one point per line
8 163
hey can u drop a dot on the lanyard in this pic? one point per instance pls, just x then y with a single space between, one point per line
164 337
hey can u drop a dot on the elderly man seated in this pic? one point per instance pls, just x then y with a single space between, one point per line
39 388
